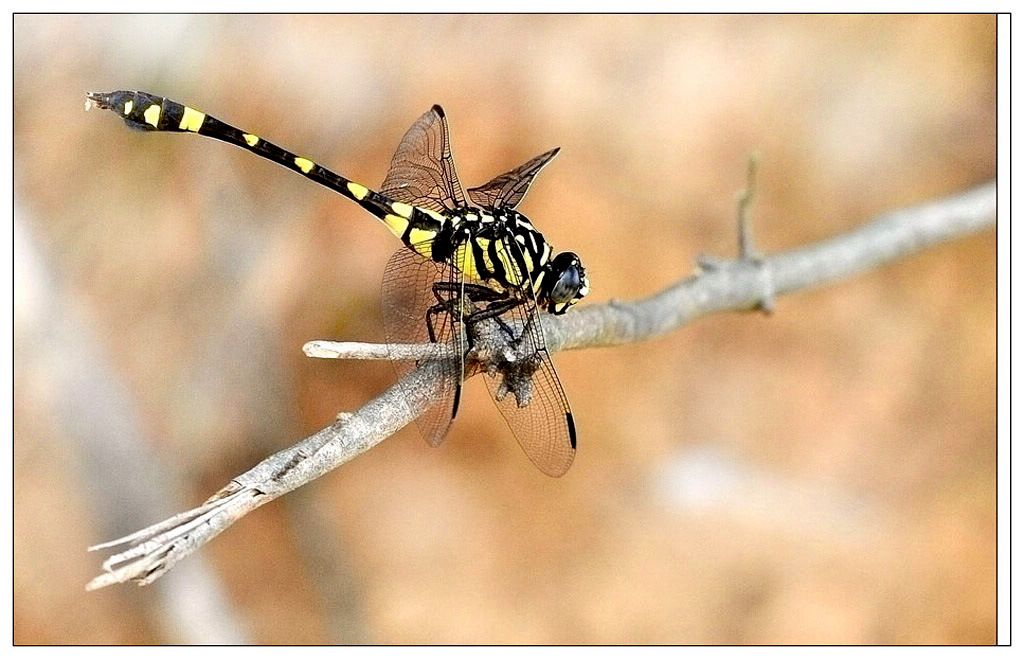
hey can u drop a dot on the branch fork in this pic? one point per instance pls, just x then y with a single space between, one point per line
748 255
751 281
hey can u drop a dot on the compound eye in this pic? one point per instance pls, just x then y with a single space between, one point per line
567 285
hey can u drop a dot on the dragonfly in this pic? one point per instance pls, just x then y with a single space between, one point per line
473 272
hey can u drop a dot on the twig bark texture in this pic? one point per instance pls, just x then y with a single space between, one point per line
745 283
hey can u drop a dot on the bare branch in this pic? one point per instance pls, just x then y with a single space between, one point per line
742 284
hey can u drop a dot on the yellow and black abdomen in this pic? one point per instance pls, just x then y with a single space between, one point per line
148 112
143 111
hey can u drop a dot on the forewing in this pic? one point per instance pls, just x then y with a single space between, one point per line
539 414
406 295
422 171
542 423
507 190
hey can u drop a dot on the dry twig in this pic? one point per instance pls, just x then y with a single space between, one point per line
749 282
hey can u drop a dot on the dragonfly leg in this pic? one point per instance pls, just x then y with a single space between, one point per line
495 310
432 313
446 293
475 292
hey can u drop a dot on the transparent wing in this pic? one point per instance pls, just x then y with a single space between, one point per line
422 171
531 397
508 189
534 404
407 293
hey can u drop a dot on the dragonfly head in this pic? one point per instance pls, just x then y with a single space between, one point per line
565 283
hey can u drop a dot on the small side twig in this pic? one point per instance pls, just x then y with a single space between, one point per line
745 198
747 253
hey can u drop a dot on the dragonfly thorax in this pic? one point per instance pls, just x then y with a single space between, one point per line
502 246
497 246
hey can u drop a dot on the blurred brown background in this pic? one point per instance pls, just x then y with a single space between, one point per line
823 475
